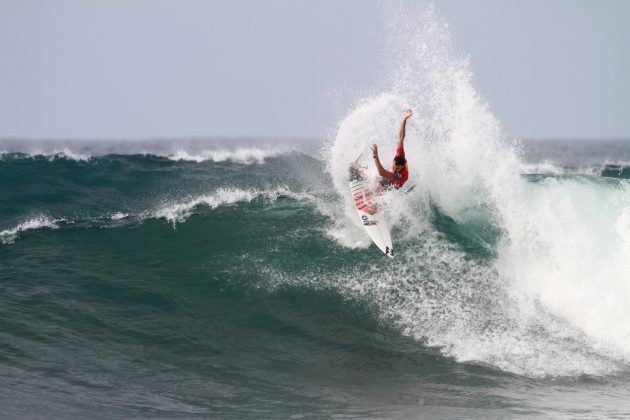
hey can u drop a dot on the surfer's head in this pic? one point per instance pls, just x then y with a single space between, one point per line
399 162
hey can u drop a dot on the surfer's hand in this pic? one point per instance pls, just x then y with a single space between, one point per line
375 151
408 113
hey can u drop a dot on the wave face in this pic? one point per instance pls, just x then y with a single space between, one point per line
231 278
249 285
515 259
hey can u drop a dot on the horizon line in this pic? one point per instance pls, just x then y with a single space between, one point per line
267 138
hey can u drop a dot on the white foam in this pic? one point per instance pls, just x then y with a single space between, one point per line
119 215
9 236
565 250
245 155
72 155
556 299
62 153
180 211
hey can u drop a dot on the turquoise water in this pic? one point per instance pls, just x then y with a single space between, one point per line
225 284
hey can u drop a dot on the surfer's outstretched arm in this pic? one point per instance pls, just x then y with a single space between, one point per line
381 171
401 132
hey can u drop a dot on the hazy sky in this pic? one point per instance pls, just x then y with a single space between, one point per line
291 68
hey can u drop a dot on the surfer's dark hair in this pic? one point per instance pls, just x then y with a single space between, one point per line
400 160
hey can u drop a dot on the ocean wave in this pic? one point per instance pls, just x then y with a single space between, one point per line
551 299
50 155
245 155
615 170
234 150
66 153
609 169
173 212
8 236
180 211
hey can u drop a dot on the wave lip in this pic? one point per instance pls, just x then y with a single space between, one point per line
174 212
245 151
71 155
245 155
8 236
179 212
51 155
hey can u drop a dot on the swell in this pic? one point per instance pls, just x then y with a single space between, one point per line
606 158
235 297
36 187
199 320
443 291
243 151
205 301
239 202
619 170
276 225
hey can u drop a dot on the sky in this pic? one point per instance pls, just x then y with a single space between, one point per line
142 69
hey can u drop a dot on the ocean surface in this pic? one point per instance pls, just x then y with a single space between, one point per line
230 279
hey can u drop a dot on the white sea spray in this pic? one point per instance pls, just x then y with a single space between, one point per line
554 297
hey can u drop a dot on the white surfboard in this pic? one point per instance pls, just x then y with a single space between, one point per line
370 213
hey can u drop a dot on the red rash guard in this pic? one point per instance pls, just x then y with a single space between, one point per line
400 177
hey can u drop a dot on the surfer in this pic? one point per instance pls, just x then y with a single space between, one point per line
399 174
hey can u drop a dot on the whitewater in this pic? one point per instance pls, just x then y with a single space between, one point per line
554 299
